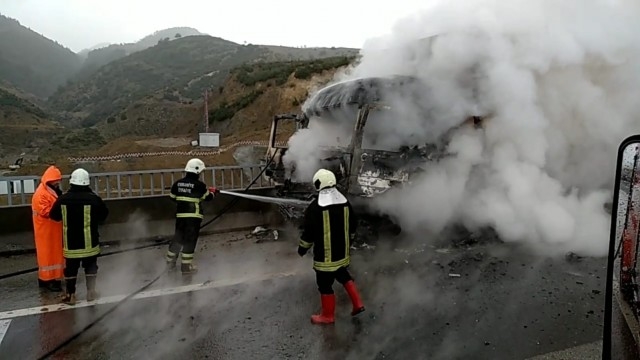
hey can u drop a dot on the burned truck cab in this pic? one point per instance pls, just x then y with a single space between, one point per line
367 165
282 127
365 162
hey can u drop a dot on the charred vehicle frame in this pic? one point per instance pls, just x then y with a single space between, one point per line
361 172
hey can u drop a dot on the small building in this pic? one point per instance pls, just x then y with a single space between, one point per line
209 140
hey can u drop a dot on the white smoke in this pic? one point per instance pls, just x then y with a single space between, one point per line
560 81
308 145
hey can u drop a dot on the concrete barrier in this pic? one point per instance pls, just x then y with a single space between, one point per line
142 219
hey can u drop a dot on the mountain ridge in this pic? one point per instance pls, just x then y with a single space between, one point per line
96 58
32 62
184 68
155 92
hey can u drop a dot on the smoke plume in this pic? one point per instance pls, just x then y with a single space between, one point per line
558 84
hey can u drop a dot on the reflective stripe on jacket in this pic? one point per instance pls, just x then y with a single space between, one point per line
188 193
329 230
80 211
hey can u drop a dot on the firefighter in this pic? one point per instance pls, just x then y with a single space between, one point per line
329 226
81 211
48 233
188 193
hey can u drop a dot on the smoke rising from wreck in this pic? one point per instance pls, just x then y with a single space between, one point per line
557 82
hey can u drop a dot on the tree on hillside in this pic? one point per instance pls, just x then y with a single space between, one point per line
178 36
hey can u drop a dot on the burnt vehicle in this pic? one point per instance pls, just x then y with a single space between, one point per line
365 165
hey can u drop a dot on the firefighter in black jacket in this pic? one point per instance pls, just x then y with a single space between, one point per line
80 211
329 226
188 193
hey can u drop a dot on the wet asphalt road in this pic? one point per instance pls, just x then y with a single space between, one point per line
505 304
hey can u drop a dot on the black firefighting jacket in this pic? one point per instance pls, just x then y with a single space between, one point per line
188 193
81 211
329 229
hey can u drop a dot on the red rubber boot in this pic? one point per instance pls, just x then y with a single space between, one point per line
328 310
358 306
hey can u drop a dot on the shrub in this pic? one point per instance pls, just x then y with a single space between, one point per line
8 99
227 111
279 72
85 138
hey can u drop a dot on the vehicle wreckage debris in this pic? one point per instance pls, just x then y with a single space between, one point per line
262 234
362 246
573 257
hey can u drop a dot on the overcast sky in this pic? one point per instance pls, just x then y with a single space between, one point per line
80 24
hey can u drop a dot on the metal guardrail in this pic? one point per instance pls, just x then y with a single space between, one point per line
18 190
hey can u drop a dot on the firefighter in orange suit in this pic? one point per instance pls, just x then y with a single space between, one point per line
48 233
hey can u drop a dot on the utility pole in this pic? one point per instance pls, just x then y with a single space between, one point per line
206 110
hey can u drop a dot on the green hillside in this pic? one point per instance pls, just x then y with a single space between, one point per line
183 68
32 62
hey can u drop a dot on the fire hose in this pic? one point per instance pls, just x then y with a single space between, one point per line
112 309
267 199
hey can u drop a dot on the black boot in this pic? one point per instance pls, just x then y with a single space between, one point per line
70 287
171 258
55 286
50 285
189 268
69 299
92 294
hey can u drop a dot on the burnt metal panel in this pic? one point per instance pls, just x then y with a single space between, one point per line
356 93
376 172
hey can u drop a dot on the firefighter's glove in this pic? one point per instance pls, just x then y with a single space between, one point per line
301 251
214 190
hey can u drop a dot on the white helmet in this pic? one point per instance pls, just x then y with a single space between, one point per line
324 179
79 177
194 166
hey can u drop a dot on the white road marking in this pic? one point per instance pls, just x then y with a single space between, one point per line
589 351
145 294
4 326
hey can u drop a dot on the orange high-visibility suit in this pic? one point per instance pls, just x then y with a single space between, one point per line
47 233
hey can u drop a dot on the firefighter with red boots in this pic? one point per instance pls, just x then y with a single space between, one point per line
329 226
188 193
81 211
